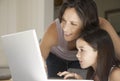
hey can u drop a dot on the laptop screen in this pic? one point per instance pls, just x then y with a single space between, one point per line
24 56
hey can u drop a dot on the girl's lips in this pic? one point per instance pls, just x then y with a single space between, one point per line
80 61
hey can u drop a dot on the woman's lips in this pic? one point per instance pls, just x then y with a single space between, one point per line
68 35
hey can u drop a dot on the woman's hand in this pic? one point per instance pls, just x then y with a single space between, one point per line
68 75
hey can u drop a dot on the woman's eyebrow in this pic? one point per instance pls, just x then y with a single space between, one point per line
80 47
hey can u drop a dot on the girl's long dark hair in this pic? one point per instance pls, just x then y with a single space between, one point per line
101 41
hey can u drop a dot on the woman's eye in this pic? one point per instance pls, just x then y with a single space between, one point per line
74 24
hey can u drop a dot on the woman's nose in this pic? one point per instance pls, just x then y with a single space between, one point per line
66 27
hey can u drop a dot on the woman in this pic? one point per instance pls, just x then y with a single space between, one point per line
96 52
59 39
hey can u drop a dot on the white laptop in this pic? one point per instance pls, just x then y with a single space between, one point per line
24 57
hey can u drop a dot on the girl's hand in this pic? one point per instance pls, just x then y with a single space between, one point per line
68 75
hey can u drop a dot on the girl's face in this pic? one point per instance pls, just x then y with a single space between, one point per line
71 24
86 55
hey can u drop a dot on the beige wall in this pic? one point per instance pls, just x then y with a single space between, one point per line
30 14
7 23
36 14
20 15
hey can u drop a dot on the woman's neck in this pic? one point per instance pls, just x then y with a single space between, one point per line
72 45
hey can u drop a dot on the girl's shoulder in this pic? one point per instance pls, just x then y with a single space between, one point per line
115 74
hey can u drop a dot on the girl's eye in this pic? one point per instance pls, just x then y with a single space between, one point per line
81 50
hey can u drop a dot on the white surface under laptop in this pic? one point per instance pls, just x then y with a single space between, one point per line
24 57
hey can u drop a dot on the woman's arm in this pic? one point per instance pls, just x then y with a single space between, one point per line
49 39
104 24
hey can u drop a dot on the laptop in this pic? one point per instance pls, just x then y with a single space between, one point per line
24 57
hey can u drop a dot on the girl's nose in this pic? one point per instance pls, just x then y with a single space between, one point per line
78 55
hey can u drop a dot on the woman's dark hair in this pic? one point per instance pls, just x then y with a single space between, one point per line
101 41
86 10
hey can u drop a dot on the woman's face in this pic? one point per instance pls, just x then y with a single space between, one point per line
86 55
71 24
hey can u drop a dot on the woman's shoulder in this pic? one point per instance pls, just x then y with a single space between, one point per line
50 36
115 74
52 32
53 26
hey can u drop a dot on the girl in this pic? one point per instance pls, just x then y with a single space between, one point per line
96 52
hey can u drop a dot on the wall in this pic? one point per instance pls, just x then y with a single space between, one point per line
21 15
104 5
36 14
7 23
